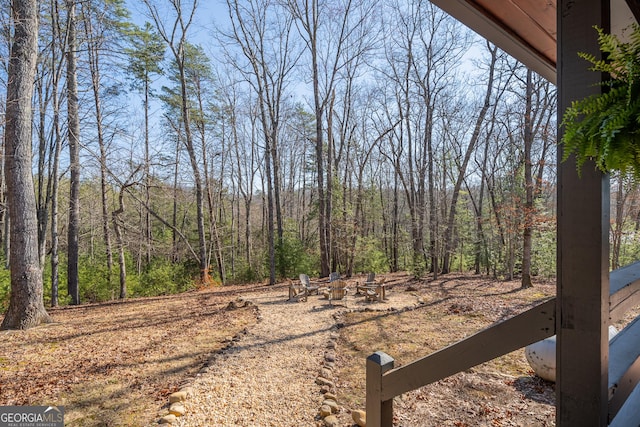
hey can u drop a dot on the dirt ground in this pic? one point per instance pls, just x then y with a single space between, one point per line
502 392
115 364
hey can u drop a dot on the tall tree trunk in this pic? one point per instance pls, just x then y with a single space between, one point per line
275 159
245 189
395 220
115 217
94 66
26 306
618 225
147 175
480 244
213 215
55 237
176 39
448 234
43 199
174 205
308 16
433 209
197 177
121 260
527 233
56 71
270 225
328 207
74 159
4 215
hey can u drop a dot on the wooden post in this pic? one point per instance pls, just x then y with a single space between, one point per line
379 413
583 244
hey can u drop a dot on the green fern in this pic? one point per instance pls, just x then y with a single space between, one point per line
606 127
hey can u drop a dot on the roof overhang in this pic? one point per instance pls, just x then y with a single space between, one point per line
526 29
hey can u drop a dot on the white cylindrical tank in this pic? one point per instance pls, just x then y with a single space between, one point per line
542 356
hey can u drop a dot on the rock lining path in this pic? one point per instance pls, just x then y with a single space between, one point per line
267 378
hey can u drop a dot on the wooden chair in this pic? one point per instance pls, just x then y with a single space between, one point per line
337 291
297 291
371 281
376 292
311 289
334 276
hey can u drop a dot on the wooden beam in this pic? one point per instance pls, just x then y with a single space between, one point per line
634 5
624 290
501 35
379 410
583 237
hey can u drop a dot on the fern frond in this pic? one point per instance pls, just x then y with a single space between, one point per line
605 127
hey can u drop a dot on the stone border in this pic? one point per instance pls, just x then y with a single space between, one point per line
326 378
176 400
329 406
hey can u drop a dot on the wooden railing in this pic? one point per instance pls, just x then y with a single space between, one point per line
384 382
624 349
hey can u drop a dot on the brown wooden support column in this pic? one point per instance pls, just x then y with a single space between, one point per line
379 412
583 245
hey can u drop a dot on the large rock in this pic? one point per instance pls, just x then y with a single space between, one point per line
168 419
188 390
177 409
359 417
178 396
330 396
331 404
541 356
331 421
325 373
324 381
325 411
330 356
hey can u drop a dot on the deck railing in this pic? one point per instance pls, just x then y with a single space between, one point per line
384 382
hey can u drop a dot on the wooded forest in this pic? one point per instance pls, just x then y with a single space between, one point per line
177 144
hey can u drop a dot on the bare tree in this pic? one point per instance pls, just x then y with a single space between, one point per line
246 157
146 54
421 54
539 108
267 47
117 228
58 40
175 36
26 306
462 168
327 30
481 255
73 125
95 40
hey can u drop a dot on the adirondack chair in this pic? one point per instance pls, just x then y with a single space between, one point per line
297 291
371 281
337 291
376 291
306 283
334 276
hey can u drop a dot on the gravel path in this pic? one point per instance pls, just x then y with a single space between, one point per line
267 378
